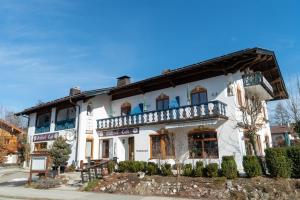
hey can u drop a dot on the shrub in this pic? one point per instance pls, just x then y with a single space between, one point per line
71 168
123 166
188 170
140 166
199 169
111 166
229 168
277 162
293 154
91 185
166 170
211 170
152 168
252 166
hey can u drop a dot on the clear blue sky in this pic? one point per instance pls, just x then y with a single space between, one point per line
46 47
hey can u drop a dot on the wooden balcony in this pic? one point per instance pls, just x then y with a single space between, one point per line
205 111
256 84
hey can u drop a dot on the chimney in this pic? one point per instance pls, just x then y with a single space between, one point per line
75 90
123 80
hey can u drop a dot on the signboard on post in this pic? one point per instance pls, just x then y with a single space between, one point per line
39 164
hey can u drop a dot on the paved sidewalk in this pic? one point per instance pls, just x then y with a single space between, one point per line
20 193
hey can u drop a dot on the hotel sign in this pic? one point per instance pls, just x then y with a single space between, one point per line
120 131
45 137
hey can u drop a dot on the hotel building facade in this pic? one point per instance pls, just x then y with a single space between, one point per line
185 114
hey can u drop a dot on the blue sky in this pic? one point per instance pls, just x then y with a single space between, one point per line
46 47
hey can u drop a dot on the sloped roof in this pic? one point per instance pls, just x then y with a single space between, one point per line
10 127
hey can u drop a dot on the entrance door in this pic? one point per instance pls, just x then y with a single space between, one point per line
105 148
131 148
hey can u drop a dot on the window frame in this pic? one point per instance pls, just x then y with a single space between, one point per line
162 147
203 140
165 100
92 147
198 91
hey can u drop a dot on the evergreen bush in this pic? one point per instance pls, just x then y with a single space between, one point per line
188 170
199 169
166 170
211 170
152 168
293 154
111 166
277 162
252 166
229 168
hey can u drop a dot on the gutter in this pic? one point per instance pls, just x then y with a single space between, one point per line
77 130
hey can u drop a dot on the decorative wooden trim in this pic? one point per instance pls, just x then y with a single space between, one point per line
198 89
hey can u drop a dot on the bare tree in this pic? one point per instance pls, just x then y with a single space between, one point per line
9 116
281 114
293 105
252 119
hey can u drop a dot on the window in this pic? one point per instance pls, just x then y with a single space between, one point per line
43 122
203 144
89 148
40 146
89 109
65 118
125 108
198 95
162 102
105 148
162 146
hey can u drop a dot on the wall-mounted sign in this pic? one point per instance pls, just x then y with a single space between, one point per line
45 137
121 131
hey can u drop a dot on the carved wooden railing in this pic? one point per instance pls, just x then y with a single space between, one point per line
211 109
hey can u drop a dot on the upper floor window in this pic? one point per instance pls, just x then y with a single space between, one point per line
65 118
89 109
198 95
125 108
162 102
43 122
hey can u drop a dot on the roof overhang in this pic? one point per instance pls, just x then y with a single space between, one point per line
255 59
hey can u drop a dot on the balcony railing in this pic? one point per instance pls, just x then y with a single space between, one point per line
257 78
42 129
212 109
65 124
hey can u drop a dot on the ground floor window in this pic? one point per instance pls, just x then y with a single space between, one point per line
40 146
105 148
89 148
162 146
203 144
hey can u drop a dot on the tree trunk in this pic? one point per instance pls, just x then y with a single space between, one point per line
58 170
253 143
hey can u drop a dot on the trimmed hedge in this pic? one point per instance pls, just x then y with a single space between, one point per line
293 154
188 170
278 163
211 170
252 166
198 171
132 166
229 168
166 170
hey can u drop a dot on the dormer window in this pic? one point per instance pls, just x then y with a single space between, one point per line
198 95
125 108
162 102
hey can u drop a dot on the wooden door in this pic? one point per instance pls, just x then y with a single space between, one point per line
131 148
105 148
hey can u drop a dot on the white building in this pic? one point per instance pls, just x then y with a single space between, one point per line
185 114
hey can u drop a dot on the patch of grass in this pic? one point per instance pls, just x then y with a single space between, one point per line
91 185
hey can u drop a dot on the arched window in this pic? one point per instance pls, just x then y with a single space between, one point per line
162 102
125 108
203 144
198 95
89 109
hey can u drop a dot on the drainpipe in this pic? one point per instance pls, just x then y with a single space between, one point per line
77 131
